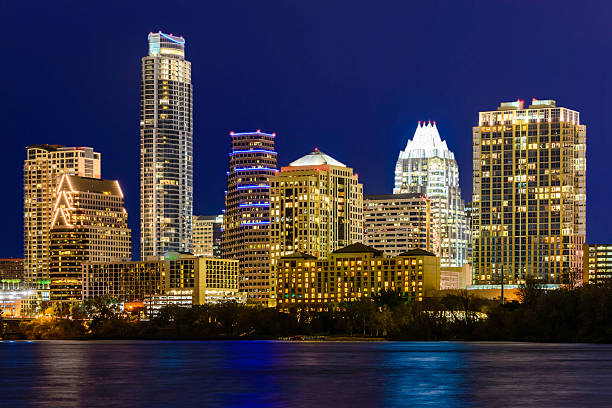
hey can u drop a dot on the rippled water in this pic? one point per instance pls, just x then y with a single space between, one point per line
303 374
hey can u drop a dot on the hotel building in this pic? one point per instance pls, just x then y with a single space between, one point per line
166 148
207 235
356 272
178 279
597 264
246 221
89 225
43 168
395 223
529 196
428 167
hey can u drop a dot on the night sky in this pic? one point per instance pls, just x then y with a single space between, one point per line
349 77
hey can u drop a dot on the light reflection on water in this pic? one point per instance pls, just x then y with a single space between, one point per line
303 374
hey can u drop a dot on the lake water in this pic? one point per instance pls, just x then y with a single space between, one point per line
303 374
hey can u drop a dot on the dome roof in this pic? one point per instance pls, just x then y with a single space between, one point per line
426 143
316 158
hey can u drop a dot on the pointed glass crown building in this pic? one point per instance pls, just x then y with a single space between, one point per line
428 167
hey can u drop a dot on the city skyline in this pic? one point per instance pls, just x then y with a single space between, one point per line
330 132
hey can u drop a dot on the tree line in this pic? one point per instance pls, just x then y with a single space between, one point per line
582 314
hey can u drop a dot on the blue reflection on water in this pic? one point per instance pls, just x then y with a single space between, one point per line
303 374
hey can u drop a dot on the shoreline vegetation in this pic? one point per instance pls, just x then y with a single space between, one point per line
582 314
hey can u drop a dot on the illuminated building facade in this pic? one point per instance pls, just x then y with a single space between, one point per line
529 197
597 264
395 223
179 279
428 167
43 168
207 235
89 225
11 272
166 148
356 272
316 208
246 221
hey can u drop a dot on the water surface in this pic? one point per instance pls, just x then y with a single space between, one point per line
303 374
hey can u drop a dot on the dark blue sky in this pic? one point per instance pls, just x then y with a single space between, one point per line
350 77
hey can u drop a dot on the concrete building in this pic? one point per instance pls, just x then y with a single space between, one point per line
355 272
395 223
11 273
179 279
43 168
89 225
207 235
529 196
166 148
246 221
597 264
316 207
428 167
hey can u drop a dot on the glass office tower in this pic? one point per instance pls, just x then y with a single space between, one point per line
428 167
166 150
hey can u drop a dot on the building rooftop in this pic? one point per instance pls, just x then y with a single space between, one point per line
298 255
316 158
358 248
426 143
94 185
394 196
417 252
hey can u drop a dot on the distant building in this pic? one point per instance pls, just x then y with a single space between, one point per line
395 223
43 169
207 235
529 195
246 221
454 277
89 225
179 279
11 272
356 272
166 148
316 208
428 167
597 264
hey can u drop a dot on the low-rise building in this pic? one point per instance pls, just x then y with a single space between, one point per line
355 272
597 263
181 279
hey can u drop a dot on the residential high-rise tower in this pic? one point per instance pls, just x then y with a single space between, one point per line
246 221
428 167
43 168
529 195
166 148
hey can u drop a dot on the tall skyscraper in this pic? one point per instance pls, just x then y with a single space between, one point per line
529 195
43 168
207 235
428 167
395 223
166 148
89 225
246 220
316 208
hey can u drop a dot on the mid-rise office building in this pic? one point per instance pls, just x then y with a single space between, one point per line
207 235
529 197
166 148
178 279
43 168
89 225
428 167
597 264
11 271
356 272
246 221
395 223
